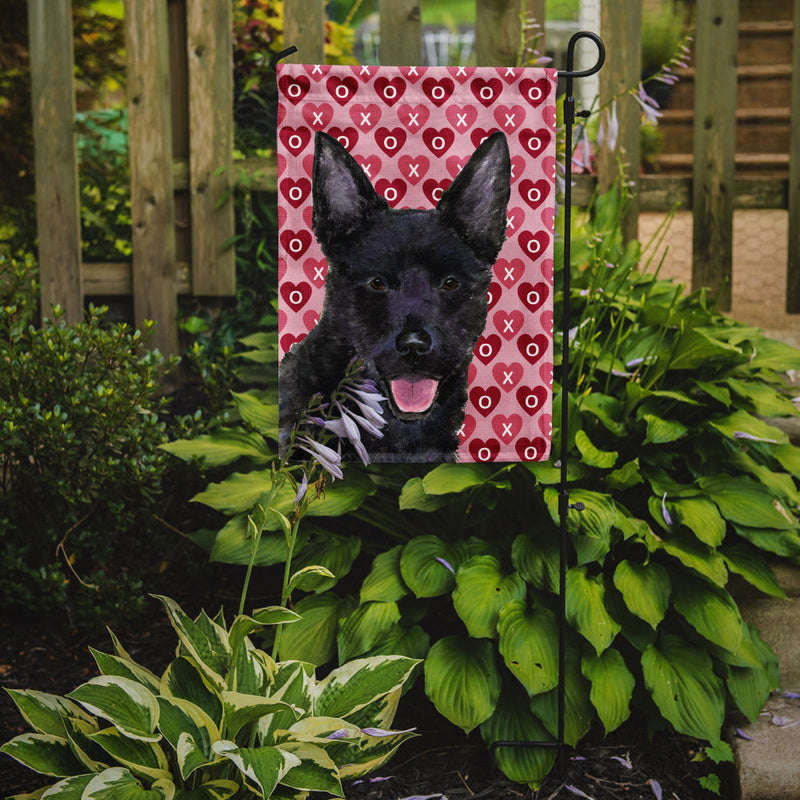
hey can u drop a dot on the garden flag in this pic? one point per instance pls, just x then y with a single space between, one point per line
416 223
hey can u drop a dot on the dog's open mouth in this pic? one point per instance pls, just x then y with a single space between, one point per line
413 394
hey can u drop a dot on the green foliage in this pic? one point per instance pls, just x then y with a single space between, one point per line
79 430
222 718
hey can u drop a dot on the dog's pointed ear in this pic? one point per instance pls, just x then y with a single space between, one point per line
475 203
343 197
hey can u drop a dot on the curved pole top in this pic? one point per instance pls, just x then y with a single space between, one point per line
570 72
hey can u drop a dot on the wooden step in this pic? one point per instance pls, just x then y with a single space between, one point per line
766 165
754 10
763 42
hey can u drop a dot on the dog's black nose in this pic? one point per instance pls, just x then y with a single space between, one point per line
413 344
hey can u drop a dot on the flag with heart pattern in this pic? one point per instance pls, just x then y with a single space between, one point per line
408 133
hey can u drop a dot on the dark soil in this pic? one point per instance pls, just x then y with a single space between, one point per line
44 654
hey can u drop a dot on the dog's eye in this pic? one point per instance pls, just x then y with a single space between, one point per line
448 284
378 285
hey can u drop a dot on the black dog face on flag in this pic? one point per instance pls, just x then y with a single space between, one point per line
406 293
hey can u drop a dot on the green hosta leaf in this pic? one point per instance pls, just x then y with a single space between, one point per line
145 759
788 455
767 401
357 684
591 456
449 478
399 640
693 554
261 416
45 712
263 766
428 565
627 476
745 502
771 354
182 679
753 567
663 431
385 582
126 704
212 790
313 638
365 627
125 668
529 645
270 615
335 553
782 543
118 784
608 410
242 709
589 528
316 772
716 391
586 608
646 589
312 577
223 446
683 685
709 610
372 753
462 680
701 517
481 591
413 497
612 687
44 753
696 349
512 721
537 561
233 544
749 688
740 422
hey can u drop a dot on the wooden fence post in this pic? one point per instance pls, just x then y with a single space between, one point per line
401 32
210 55
621 28
304 27
498 30
714 189
152 200
56 164
793 266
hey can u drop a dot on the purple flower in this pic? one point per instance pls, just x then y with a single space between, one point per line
577 792
327 457
751 437
624 761
664 512
342 733
301 489
608 133
655 786
446 564
648 105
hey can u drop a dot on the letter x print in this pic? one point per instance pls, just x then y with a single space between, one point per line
508 377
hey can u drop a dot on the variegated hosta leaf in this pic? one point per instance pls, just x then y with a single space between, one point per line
529 645
683 685
262 766
125 668
126 704
183 679
385 581
179 718
252 670
212 790
373 752
244 625
612 686
462 680
646 589
481 591
358 683
117 783
44 753
68 789
710 610
145 759
294 684
513 721
78 733
586 608
45 712
316 771
242 709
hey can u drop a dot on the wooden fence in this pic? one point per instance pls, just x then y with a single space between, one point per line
181 133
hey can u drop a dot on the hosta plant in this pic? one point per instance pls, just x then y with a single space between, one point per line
224 720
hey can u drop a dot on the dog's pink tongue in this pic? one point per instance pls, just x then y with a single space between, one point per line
414 395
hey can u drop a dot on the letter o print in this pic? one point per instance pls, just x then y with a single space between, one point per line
534 144
390 143
295 141
438 143
530 453
437 93
484 454
487 93
534 194
295 298
342 91
390 194
532 351
534 93
485 351
437 193
296 193
533 247
294 90
390 92
295 245
532 298
485 402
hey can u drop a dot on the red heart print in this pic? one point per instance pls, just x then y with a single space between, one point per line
532 347
308 164
535 91
347 137
509 271
390 141
493 295
295 295
479 135
295 192
433 190
534 244
546 373
287 340
462 118
507 427
545 424
484 451
413 74
438 91
534 193
487 347
283 318
371 165
546 321
484 400
365 117
517 168
310 319
515 217
467 428
438 142
295 243
315 270
472 372
342 90
533 297
549 116
509 118
461 74
295 140
455 164
486 91
281 113
507 376
549 168
531 449
509 74
308 217
535 141
509 323
317 116
282 267
390 91
547 269
393 191
530 399
413 168
413 117
317 71
363 71
294 87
